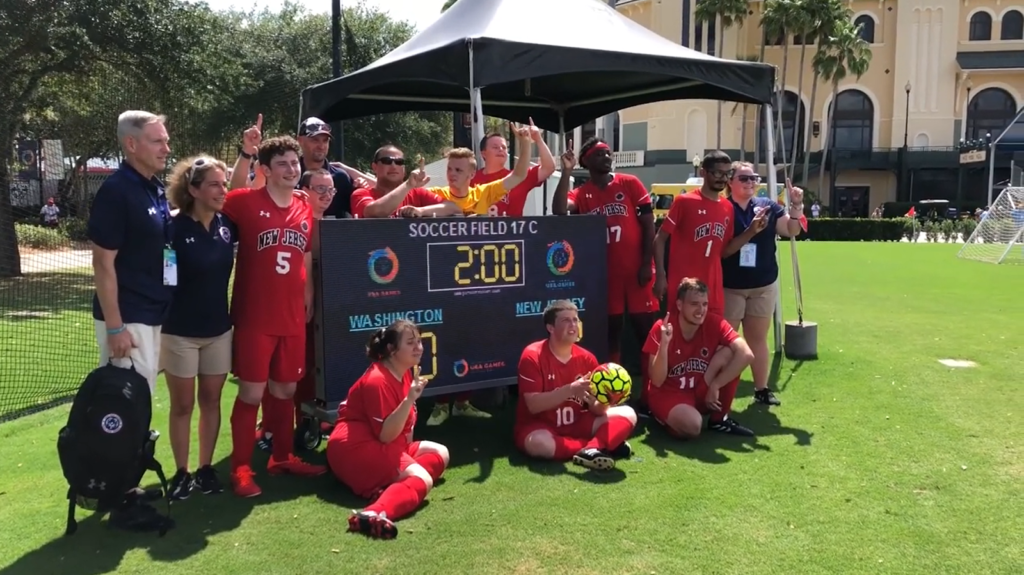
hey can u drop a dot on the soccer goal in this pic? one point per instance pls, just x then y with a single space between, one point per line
998 239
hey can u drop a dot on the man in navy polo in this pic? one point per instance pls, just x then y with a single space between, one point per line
134 267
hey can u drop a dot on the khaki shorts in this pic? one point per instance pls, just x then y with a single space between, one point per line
191 356
145 354
756 302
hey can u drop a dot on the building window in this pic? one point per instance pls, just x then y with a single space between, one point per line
865 26
698 37
790 101
854 121
712 30
773 41
989 112
1012 26
981 27
587 131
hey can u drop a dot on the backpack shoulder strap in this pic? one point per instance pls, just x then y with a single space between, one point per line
72 525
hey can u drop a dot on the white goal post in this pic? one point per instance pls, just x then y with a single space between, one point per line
998 237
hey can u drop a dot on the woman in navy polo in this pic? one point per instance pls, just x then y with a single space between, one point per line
196 339
750 270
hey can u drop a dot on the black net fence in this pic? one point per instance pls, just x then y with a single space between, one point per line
59 129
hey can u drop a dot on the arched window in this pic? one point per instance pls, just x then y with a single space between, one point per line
989 112
854 121
981 27
865 26
1012 27
790 101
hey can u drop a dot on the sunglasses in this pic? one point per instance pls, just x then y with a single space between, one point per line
390 161
720 174
749 179
196 165
318 128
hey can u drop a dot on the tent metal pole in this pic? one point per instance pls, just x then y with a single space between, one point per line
476 109
991 170
773 192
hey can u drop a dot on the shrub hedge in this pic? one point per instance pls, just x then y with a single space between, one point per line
39 237
884 230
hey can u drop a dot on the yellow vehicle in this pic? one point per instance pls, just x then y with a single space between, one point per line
662 195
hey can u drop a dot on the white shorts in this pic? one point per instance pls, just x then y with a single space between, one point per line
145 356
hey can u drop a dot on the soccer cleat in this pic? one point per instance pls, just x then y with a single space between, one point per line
241 481
730 426
439 415
207 482
593 458
181 485
766 396
294 466
623 451
264 440
467 410
373 525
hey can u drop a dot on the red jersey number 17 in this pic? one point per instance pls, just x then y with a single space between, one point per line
614 234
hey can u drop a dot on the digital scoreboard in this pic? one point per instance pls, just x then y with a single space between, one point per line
477 287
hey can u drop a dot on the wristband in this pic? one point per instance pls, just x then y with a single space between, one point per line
116 330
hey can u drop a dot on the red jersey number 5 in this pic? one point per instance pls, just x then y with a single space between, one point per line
284 264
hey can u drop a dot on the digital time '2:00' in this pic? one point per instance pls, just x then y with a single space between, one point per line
475 265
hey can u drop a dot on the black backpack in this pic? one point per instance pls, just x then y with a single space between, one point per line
107 445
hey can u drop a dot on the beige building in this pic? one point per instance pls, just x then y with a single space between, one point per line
941 71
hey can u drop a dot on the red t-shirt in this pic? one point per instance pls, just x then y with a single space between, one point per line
699 229
270 279
514 202
417 198
541 371
619 202
373 397
688 360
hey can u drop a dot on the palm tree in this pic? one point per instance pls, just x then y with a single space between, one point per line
841 54
779 16
823 16
729 13
802 27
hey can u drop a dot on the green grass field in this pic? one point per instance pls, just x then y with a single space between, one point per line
880 460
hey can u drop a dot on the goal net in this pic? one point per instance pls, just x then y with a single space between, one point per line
998 239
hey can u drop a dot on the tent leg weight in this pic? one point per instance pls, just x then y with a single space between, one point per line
801 340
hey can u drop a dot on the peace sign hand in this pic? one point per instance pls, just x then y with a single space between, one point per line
521 132
253 137
568 157
760 221
419 178
666 330
417 386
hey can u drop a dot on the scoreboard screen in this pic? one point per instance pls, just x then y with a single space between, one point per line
477 287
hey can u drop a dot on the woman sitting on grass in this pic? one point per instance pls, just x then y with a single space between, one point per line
371 449
196 337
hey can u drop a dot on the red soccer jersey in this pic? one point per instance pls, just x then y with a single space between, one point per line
270 278
688 360
514 202
417 198
699 228
541 371
619 202
373 397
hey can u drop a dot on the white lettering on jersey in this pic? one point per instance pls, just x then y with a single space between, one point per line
611 210
691 365
294 239
708 229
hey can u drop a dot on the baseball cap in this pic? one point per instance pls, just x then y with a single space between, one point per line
314 127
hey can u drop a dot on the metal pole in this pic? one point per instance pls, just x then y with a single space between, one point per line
337 69
476 109
991 169
773 191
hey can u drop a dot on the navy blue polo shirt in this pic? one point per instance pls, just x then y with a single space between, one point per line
341 205
130 214
766 267
205 260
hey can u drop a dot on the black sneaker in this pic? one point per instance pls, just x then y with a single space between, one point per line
207 482
730 426
372 525
623 451
265 442
139 517
181 485
593 458
766 396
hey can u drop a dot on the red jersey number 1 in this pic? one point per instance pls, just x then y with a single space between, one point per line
707 252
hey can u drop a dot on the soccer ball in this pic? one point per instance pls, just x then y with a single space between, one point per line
610 384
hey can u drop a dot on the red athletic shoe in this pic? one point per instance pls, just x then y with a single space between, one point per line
294 466
241 481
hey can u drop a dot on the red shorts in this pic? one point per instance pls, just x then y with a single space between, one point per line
582 428
626 295
366 467
661 403
259 358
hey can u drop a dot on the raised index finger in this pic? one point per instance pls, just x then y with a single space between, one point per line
259 121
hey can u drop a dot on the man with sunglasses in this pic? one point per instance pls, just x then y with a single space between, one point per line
392 196
699 224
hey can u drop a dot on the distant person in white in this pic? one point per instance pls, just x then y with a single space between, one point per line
815 209
50 213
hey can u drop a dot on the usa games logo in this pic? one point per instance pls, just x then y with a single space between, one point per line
382 265
560 257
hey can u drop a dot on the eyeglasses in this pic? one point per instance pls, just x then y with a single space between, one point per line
748 179
321 190
191 172
390 160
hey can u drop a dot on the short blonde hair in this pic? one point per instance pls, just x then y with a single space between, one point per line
738 164
462 154
187 173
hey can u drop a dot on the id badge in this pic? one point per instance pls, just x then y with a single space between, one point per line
170 267
748 256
